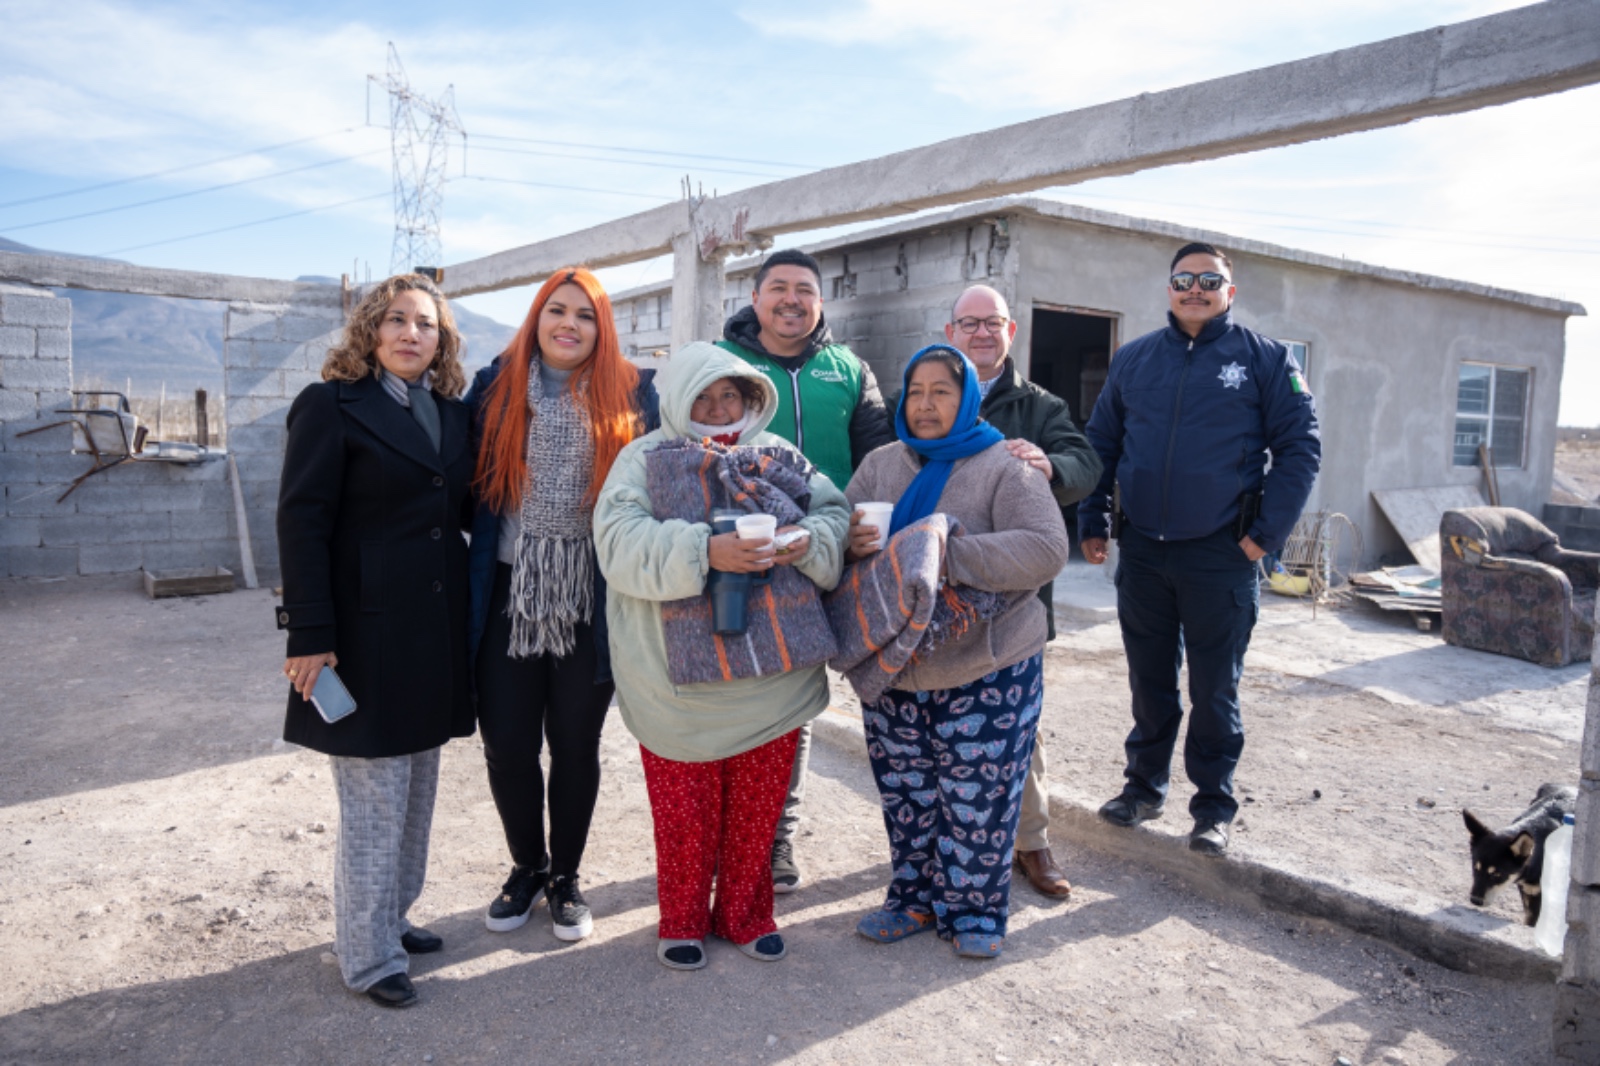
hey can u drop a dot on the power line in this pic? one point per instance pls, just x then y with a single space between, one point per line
645 151
245 225
192 192
1438 240
627 162
1257 212
173 170
569 188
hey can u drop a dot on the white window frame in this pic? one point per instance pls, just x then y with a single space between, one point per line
1488 417
1301 350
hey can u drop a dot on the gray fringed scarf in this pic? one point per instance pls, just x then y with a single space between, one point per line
552 571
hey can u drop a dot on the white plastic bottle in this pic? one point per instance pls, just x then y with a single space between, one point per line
1551 932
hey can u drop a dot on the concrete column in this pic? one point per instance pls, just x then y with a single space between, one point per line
697 284
1577 1018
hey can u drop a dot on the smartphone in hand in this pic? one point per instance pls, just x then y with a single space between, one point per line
331 699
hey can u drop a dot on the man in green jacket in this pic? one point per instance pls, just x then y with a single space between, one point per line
982 327
829 407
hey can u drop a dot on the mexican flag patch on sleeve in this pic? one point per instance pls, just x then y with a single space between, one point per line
1296 382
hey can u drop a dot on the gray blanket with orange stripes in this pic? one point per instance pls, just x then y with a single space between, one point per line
688 478
890 609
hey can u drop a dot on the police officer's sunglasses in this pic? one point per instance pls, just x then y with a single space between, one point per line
1209 282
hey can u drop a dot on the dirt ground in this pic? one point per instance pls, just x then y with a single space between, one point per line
165 877
1342 776
1577 472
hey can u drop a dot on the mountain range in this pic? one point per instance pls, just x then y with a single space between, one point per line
124 341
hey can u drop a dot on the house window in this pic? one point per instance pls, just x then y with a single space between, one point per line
1492 409
1302 355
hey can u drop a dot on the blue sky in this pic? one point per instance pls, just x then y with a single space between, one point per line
259 113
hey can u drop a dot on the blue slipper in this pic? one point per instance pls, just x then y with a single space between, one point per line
886 927
978 945
681 954
769 948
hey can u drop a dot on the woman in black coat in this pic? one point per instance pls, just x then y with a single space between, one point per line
375 495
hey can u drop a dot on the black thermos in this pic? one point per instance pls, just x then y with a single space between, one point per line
729 592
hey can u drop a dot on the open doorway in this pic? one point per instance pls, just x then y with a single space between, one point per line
1069 355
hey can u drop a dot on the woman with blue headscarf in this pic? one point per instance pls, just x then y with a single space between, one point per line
950 743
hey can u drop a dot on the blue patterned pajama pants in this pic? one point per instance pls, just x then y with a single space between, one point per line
950 766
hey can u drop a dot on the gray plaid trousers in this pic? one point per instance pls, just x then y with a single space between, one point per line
385 813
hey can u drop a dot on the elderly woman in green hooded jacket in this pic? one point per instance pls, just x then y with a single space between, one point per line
716 714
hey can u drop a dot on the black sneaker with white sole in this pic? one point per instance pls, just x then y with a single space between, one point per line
1128 811
520 894
569 914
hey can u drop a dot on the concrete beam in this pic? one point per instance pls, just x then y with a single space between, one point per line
104 275
625 240
1533 51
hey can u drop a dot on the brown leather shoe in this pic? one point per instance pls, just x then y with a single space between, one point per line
1043 874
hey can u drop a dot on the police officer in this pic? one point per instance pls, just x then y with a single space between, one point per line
1185 426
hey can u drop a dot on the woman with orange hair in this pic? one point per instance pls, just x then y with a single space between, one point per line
550 415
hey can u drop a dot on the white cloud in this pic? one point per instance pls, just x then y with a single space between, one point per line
1053 55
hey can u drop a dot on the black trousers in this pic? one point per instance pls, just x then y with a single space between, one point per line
521 704
1195 601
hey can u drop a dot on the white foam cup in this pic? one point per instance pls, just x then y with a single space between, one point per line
877 515
756 526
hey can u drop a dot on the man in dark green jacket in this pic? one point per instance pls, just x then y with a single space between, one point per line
982 327
829 407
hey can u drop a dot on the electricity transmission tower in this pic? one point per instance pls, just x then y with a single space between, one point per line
419 134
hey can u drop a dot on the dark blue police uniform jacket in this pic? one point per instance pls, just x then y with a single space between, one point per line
1185 426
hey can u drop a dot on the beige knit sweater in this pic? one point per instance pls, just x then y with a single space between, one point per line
1015 542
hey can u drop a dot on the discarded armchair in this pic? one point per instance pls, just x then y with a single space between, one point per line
1509 587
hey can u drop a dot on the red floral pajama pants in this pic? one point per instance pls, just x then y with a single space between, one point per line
715 820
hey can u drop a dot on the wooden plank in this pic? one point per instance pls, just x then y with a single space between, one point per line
199 581
1415 515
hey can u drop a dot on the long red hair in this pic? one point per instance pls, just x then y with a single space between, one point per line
604 386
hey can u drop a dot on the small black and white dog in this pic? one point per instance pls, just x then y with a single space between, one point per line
1517 851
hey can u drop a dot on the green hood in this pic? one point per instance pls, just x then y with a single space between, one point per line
696 366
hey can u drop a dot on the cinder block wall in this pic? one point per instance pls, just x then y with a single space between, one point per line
147 515
1577 526
1577 1017
35 378
270 353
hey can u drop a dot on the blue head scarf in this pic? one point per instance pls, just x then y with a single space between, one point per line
969 435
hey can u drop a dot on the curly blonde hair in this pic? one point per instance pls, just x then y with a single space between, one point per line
355 356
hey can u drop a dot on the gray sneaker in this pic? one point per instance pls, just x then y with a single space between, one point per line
785 874
1208 837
